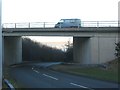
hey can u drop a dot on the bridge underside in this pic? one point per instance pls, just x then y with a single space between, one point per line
86 50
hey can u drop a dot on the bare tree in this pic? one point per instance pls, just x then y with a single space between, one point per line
69 52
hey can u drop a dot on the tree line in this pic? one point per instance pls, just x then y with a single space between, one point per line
35 51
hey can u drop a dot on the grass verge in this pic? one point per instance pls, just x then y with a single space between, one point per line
109 74
11 80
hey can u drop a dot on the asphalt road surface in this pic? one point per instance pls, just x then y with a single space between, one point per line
40 76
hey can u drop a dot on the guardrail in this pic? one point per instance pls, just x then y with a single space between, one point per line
9 85
52 24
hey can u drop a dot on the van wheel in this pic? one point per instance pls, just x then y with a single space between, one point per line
73 27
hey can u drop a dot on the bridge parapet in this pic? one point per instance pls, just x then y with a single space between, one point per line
52 24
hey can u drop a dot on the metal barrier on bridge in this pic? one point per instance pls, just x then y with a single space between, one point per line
52 24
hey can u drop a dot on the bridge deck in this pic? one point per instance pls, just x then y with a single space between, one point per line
83 31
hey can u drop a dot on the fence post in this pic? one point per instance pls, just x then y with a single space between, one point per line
29 25
15 25
43 24
97 23
118 23
60 25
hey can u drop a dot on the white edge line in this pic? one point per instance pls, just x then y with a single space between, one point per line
78 85
50 76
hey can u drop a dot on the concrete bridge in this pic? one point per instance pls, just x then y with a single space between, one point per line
91 45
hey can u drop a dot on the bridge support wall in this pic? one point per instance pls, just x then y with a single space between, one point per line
94 50
12 50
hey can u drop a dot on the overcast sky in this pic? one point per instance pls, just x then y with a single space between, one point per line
54 10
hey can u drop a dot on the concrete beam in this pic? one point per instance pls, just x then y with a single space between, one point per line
0 48
12 50
76 32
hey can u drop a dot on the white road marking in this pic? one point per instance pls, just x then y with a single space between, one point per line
81 86
50 76
32 68
35 71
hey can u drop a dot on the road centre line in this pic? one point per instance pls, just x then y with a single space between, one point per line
32 68
50 76
57 79
81 86
35 71
45 74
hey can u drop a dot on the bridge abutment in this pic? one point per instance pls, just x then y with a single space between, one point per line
94 50
12 50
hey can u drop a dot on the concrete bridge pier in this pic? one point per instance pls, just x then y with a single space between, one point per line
12 50
81 50
94 50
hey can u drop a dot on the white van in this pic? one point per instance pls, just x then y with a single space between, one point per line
68 23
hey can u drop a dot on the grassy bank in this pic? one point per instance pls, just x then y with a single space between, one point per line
110 73
11 80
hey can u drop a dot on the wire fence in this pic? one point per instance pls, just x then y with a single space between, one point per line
52 24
